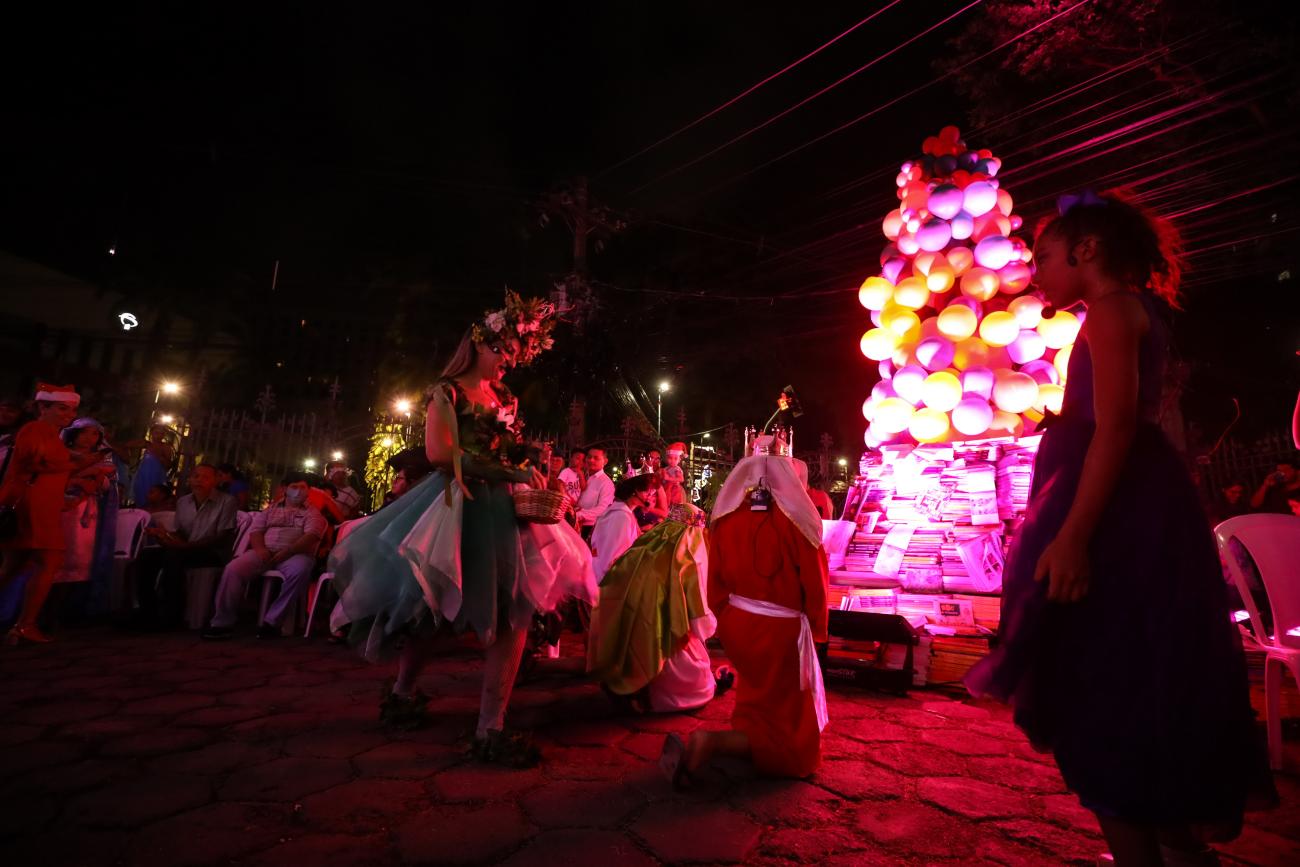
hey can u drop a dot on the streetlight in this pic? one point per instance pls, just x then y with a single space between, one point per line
386 442
664 386
309 463
166 419
168 388
336 455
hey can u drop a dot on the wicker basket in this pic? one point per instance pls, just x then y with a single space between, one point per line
540 507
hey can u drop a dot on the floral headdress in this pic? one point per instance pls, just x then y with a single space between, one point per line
531 321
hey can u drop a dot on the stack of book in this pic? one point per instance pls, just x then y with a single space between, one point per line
951 656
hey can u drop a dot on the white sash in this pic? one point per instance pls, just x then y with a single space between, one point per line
810 670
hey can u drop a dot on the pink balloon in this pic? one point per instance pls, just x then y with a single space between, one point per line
945 201
980 198
935 353
978 380
1043 372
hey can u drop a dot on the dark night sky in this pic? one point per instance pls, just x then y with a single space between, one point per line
374 147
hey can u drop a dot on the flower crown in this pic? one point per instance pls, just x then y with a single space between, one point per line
530 321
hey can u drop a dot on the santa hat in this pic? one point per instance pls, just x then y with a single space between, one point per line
678 449
57 393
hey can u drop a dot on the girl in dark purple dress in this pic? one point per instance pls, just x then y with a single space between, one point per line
1117 649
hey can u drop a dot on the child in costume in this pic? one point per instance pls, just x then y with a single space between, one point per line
1117 650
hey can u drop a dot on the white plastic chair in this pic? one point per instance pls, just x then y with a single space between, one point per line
130 533
163 520
1272 542
276 575
313 595
201 583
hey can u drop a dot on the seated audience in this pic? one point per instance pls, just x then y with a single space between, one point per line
284 537
159 499
231 481
206 521
1277 487
349 501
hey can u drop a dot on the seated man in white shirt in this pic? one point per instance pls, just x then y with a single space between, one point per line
336 472
284 537
598 494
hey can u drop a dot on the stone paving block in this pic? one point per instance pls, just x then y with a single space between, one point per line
677 831
218 758
39 755
216 834
575 804
837 745
183 675
1063 843
410 760
810 845
1264 848
644 745
224 684
876 731
955 710
1018 773
108 726
82 775
604 733
914 829
461 835
125 695
916 720
300 679
84 848
788 802
857 780
327 850
330 743
974 799
477 782
287 698
136 802
364 805
156 742
63 712
275 726
218 716
917 760
171 704
585 763
674 723
25 812
1066 810
964 743
284 779
580 848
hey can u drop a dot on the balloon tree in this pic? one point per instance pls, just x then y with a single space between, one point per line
963 346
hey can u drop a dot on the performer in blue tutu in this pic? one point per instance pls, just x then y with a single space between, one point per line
1117 650
450 555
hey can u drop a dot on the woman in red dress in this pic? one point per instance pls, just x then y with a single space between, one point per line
34 485
767 584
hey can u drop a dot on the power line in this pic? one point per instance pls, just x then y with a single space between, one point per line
738 97
801 103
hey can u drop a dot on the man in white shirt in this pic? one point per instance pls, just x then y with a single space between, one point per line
573 476
284 538
344 494
598 494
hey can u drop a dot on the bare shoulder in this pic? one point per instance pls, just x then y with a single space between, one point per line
1118 316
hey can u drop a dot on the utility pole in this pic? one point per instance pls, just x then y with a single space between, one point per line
589 222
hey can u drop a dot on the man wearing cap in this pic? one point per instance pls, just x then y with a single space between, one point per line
344 494
284 537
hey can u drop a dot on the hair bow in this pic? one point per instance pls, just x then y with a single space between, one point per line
1085 197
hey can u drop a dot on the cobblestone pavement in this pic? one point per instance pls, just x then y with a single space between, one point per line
141 750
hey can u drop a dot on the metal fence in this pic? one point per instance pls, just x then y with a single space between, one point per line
264 448
1245 462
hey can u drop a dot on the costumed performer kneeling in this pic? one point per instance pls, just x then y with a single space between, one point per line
451 555
649 628
768 585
